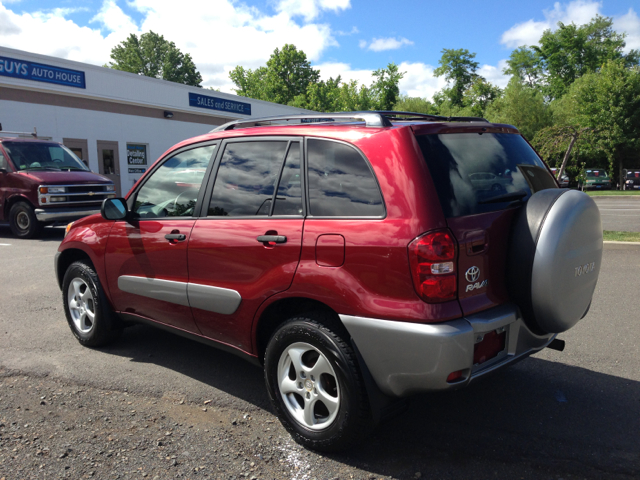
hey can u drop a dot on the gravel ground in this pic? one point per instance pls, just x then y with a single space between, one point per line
50 429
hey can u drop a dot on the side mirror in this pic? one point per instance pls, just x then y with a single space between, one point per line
114 209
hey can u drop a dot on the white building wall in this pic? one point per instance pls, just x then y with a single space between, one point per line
118 88
60 122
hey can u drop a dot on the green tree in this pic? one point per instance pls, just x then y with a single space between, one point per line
525 64
153 56
573 51
521 106
415 104
459 69
608 103
479 96
287 74
385 87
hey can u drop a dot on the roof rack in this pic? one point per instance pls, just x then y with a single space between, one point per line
33 134
394 115
370 118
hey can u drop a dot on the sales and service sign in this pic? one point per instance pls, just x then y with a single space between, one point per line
11 67
214 103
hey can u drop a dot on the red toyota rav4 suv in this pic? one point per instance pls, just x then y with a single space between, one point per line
359 257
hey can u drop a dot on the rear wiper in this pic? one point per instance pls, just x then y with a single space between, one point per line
506 197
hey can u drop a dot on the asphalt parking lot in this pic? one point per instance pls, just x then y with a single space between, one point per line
620 214
155 405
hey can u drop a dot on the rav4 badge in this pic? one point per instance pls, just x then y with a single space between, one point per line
474 286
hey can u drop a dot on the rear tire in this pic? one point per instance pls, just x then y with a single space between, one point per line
89 315
315 385
23 221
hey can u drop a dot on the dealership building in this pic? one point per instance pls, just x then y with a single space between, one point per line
118 123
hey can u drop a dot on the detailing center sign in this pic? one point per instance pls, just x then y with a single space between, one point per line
11 67
136 155
214 103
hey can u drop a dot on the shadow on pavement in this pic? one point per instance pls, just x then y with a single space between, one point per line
48 234
535 419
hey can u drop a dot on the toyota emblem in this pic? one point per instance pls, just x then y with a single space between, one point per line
472 274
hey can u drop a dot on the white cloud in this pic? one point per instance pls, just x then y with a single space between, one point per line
494 74
223 35
529 32
629 23
333 69
310 9
381 44
113 18
419 80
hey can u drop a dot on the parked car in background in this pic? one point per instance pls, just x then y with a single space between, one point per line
631 179
357 258
563 181
43 183
595 179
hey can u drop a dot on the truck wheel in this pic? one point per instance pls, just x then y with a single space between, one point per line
88 312
315 385
554 259
23 221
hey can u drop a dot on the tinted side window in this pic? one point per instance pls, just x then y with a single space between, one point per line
172 190
341 183
289 198
247 178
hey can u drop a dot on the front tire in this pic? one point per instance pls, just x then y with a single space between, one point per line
315 385
23 221
89 315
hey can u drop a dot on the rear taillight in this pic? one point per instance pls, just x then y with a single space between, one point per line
432 258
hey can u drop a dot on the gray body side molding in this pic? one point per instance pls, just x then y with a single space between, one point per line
166 290
212 299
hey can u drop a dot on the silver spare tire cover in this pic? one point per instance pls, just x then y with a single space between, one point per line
554 258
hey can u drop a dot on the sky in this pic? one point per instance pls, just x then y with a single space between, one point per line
350 38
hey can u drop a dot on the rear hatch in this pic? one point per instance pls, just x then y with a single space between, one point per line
482 175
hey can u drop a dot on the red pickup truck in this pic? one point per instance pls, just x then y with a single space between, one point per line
44 183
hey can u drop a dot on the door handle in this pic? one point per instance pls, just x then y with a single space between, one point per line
272 239
179 237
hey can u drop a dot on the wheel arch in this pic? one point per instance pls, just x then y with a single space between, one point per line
66 258
278 312
11 201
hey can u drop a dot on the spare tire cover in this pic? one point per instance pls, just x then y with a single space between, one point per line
554 258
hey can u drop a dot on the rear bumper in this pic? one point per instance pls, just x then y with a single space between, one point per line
64 214
405 358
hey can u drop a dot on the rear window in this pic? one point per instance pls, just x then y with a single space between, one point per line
473 171
633 174
597 174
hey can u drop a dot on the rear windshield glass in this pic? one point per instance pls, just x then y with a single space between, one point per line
477 172
597 174
633 174
43 156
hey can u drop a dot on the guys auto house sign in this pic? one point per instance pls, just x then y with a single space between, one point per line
12 67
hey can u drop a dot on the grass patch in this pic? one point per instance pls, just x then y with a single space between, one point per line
604 193
621 236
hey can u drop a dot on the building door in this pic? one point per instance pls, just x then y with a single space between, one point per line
109 163
79 147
